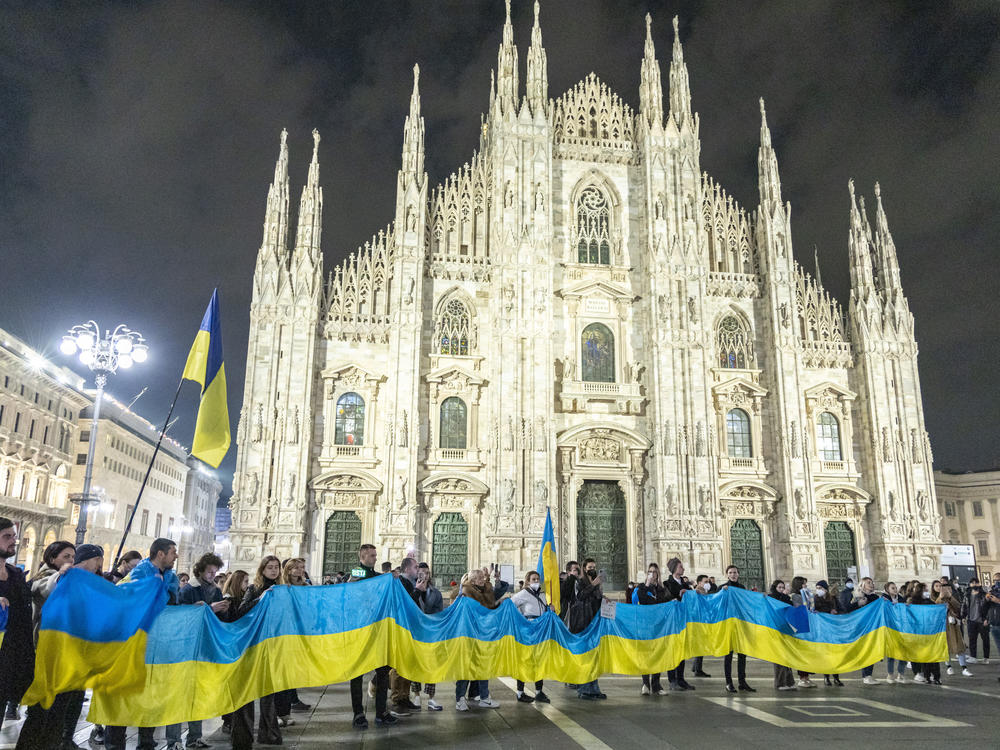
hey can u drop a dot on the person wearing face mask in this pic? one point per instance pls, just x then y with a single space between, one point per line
478 588
585 607
784 678
893 667
974 613
676 586
924 673
953 629
801 596
733 581
844 600
863 596
530 602
651 591
703 586
824 603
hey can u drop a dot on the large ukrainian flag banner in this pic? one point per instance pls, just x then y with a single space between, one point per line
548 565
93 635
198 667
205 366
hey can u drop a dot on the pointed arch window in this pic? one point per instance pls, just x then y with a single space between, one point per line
733 341
593 227
454 423
738 434
597 354
828 437
454 329
350 420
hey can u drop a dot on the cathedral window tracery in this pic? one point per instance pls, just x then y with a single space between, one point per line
454 330
738 434
454 423
828 437
735 347
593 227
597 354
350 420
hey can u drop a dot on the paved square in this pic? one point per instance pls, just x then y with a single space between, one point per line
818 707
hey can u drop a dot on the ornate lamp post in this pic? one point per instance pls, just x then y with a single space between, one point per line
103 355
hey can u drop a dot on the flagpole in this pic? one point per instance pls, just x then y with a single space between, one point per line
145 479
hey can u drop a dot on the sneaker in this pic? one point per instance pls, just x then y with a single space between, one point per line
397 712
461 704
900 677
685 685
171 746
675 686
371 689
966 672
433 705
661 691
198 743
407 705
490 703
415 700
360 722
97 735
805 684
386 720
919 678
524 698
890 680
730 687
702 673
869 680
590 696
787 687
299 706
986 661
972 660
950 670
541 697
645 690
285 721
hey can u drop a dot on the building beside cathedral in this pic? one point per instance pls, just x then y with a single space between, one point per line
579 318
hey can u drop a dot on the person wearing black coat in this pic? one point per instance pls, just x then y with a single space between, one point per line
733 581
676 585
824 602
929 673
784 678
17 654
651 591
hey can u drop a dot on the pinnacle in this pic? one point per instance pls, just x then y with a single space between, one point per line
315 135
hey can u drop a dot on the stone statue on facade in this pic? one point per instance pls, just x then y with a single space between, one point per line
541 497
507 498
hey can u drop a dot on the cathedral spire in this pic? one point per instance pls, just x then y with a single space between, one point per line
819 276
680 89
310 226
650 88
413 133
886 249
769 183
538 77
859 244
507 88
275 241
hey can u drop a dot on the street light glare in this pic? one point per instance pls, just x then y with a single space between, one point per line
87 356
68 346
139 355
124 345
85 340
124 361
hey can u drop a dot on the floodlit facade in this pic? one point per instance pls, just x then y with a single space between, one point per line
580 319
968 506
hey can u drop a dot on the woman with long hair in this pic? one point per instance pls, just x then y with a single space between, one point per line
651 591
783 677
928 673
293 573
802 596
824 602
894 667
953 629
268 729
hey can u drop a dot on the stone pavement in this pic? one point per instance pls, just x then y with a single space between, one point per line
960 714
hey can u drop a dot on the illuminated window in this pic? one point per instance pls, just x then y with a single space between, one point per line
350 422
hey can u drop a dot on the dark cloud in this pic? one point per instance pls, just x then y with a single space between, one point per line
137 142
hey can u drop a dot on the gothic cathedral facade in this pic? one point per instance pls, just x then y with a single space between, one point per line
580 320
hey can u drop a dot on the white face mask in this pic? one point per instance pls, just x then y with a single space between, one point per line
534 586
820 592
848 585
927 595
707 586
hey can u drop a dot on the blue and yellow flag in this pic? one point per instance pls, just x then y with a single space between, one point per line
3 624
548 565
205 366
93 635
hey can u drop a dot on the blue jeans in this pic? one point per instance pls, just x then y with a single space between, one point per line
462 687
174 732
588 688
867 671
896 665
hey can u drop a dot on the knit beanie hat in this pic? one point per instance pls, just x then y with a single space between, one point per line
672 564
87 552
822 585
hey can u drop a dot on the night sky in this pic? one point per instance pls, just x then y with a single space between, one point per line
137 141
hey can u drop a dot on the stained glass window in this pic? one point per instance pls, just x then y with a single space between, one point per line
829 438
454 423
738 434
453 329
735 347
597 355
350 422
593 221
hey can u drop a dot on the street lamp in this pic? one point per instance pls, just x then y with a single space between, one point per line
103 355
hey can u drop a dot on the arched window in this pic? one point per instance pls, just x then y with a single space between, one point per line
454 423
828 439
735 347
593 227
597 354
453 333
738 434
350 424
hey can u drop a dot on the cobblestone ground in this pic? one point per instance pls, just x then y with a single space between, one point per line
963 713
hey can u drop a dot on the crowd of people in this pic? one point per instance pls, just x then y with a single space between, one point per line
973 615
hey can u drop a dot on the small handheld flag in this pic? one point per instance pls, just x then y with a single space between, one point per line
548 565
205 366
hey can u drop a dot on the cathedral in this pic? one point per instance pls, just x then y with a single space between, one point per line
579 319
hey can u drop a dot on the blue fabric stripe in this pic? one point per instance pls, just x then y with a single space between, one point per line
212 323
194 633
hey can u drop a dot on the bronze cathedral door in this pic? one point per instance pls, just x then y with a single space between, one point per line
601 531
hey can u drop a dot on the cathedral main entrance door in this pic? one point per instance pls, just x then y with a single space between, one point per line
747 552
839 551
450 556
343 539
601 531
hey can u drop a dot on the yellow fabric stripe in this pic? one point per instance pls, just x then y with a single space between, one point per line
197 359
211 432
64 662
200 690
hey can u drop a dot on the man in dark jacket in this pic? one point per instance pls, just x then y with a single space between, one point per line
733 582
17 654
431 602
975 614
367 556
846 596
567 586
587 601
399 686
676 585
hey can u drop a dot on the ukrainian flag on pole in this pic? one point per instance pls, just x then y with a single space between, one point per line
205 366
548 565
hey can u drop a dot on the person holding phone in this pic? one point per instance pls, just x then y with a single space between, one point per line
651 591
